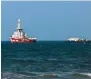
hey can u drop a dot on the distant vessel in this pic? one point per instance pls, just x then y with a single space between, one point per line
77 40
73 39
20 36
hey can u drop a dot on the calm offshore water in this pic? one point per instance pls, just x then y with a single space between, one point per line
46 60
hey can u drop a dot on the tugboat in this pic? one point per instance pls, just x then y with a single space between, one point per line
20 36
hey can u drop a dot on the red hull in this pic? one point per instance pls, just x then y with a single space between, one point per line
17 40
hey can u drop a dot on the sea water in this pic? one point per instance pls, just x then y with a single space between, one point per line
46 60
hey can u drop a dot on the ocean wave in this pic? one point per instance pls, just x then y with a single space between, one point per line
24 75
47 75
82 74
24 60
52 59
19 75
33 59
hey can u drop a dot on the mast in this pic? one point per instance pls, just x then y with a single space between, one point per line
19 25
19 29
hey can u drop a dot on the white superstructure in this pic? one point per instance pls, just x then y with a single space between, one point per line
73 39
19 32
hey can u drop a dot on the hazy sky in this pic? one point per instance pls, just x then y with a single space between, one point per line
47 20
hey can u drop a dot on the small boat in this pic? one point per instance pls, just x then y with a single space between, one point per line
20 36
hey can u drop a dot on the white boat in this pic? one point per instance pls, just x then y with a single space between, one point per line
77 40
73 39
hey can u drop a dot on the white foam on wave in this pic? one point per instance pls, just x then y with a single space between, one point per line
87 74
24 75
10 75
50 75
